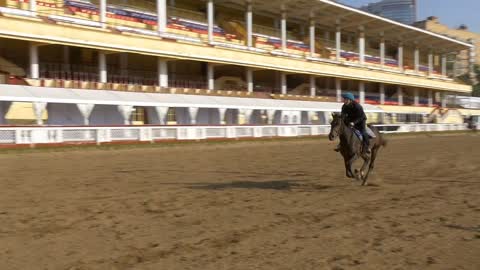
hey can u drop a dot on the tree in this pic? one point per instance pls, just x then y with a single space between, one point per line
476 87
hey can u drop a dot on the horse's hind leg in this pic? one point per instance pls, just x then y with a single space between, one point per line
372 164
348 169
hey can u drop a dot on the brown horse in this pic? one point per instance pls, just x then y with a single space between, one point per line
351 147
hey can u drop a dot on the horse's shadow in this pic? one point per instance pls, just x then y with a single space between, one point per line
280 185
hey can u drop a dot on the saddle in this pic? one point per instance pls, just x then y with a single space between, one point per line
369 131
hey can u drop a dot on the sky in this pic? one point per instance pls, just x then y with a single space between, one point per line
450 12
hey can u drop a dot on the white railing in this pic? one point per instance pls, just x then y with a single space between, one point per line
98 135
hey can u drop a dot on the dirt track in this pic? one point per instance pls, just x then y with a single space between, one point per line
253 205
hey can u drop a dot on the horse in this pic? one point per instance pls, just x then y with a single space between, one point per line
351 147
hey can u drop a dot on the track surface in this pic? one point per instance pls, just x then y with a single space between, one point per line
251 205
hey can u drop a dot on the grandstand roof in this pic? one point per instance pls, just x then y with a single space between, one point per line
328 13
22 93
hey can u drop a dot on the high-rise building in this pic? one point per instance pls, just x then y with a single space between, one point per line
404 11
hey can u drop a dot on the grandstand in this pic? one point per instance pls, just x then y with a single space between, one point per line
228 62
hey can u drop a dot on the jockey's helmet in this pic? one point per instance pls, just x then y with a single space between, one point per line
348 95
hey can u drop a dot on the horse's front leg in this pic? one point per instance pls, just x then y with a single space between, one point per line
348 168
349 165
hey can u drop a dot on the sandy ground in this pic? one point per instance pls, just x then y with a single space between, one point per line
251 205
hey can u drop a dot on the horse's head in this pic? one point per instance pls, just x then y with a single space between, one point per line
335 126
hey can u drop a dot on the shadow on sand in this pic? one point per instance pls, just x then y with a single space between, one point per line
285 185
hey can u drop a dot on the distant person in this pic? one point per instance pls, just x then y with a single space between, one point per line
355 117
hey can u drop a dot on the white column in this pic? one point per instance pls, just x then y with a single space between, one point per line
382 93
361 92
247 114
38 109
284 30
312 37
162 71
416 57
283 82
33 5
162 16
249 23
193 111
85 111
222 115
249 79
400 95
126 112
211 20
34 65
313 86
361 47
444 65
338 42
102 67
430 98
338 86
400 56
270 115
161 114
416 98
211 76
382 51
430 63
103 13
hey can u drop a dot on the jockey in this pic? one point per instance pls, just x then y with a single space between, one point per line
355 117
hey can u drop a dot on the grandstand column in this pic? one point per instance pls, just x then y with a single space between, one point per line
338 42
270 115
103 13
416 57
313 85
361 92
211 76
34 65
361 45
382 51
444 65
210 13
400 56
193 111
162 71
416 98
338 86
312 37
283 82
249 79
382 93
33 5
400 95
39 109
430 98
222 115
161 113
86 111
102 67
430 63
284 30
162 15
249 23
126 112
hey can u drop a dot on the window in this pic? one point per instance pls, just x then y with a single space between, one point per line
138 115
171 115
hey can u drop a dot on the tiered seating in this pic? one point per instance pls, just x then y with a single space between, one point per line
273 43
